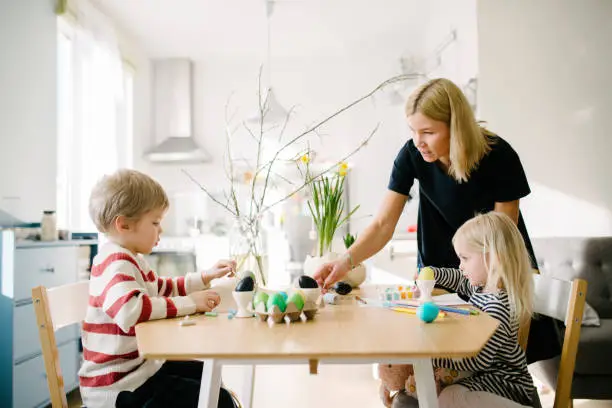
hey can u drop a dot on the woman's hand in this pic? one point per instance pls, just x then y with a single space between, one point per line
221 268
331 272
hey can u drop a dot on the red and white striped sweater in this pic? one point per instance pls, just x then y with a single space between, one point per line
124 291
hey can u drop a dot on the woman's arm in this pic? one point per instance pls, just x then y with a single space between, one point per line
372 240
510 208
380 231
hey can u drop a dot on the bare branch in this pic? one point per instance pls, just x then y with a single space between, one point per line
228 136
204 189
315 127
244 124
310 180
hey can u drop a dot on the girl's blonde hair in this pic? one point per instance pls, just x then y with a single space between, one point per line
127 193
443 101
508 264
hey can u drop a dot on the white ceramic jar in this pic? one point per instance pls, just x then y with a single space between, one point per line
48 226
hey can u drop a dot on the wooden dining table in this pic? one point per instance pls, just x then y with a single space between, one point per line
346 334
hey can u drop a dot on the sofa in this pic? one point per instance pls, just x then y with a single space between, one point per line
589 259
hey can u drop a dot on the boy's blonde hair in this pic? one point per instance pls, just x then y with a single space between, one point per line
508 263
127 193
443 101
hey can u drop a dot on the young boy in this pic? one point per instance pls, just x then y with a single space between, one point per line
128 207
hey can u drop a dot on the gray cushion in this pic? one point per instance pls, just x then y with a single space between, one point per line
595 350
586 258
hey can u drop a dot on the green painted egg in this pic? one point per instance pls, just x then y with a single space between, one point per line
277 299
300 293
260 297
297 300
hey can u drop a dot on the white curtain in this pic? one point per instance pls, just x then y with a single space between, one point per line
97 94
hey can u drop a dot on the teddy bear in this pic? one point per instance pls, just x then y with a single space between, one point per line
400 377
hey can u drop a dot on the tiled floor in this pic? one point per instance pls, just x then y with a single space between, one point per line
334 386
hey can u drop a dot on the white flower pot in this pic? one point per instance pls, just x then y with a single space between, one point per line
356 276
312 263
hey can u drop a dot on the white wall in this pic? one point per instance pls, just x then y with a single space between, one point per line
28 108
459 59
545 86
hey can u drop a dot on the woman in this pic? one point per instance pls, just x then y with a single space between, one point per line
462 169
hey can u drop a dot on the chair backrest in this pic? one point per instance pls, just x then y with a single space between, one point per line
56 308
564 301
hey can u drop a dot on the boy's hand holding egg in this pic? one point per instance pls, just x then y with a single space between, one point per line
220 269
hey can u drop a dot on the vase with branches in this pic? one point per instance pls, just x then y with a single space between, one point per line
263 173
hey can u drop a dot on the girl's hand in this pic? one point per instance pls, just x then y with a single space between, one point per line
205 300
331 272
221 268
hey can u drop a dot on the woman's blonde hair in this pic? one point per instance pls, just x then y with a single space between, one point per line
127 193
499 240
443 101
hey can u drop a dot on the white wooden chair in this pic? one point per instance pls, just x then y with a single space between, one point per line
564 301
56 308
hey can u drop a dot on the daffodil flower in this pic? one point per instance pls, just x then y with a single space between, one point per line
305 159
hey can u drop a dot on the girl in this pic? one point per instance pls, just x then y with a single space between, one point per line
495 273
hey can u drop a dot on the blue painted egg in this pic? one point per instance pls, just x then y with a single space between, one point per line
428 312
284 295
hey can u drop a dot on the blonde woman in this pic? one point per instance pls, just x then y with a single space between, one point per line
495 275
462 169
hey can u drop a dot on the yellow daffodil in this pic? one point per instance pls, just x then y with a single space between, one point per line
305 159
342 169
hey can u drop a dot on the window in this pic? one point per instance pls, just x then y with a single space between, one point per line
95 117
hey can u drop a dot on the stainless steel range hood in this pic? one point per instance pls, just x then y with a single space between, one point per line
173 110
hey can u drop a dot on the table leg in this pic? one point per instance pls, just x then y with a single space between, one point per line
249 384
211 382
425 383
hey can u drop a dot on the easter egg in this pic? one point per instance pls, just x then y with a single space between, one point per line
306 281
260 297
343 288
426 273
246 273
277 300
428 312
297 300
284 295
300 293
245 284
